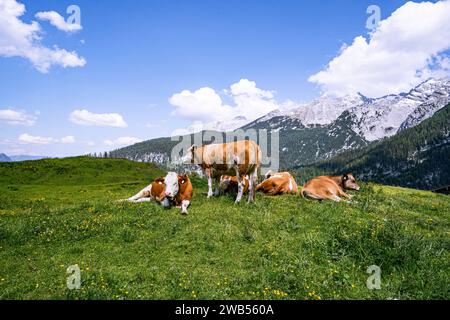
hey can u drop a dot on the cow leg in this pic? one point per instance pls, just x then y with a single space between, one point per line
240 186
210 185
335 198
216 189
184 206
144 193
252 185
346 195
143 200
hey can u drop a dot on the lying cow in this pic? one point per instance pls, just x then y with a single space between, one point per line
229 184
330 187
171 190
278 184
239 158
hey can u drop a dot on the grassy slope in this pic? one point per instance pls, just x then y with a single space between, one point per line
55 213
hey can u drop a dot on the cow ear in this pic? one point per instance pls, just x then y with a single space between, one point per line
159 180
345 177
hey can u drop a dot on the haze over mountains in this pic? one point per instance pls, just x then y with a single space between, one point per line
6 158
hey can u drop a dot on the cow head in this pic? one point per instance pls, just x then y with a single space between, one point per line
268 174
225 182
191 156
172 186
349 182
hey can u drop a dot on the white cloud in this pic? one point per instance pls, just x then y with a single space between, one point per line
250 101
122 141
203 104
58 21
206 105
87 118
14 117
68 140
405 49
247 87
20 39
29 139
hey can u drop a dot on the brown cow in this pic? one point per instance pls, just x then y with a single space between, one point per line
173 189
278 184
239 158
229 184
330 187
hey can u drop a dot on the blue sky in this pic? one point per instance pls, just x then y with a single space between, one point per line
140 53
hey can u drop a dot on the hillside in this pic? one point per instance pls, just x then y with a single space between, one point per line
57 213
416 157
73 171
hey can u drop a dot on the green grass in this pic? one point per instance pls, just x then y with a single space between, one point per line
57 213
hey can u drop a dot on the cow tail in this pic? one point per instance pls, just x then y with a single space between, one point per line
258 160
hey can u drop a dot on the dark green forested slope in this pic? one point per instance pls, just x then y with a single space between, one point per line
417 157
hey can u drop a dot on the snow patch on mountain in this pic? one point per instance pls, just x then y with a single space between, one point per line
326 109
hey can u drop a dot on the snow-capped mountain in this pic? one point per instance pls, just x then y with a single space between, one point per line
372 119
326 109
384 117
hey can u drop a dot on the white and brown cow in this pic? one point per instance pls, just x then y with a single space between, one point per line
330 187
229 184
278 184
238 158
170 190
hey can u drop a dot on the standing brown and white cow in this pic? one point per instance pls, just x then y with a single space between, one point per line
238 158
330 187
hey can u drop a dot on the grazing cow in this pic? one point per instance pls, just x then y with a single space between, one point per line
229 184
330 187
173 189
239 158
278 184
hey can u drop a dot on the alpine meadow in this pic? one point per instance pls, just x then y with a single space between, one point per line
55 213
214 159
